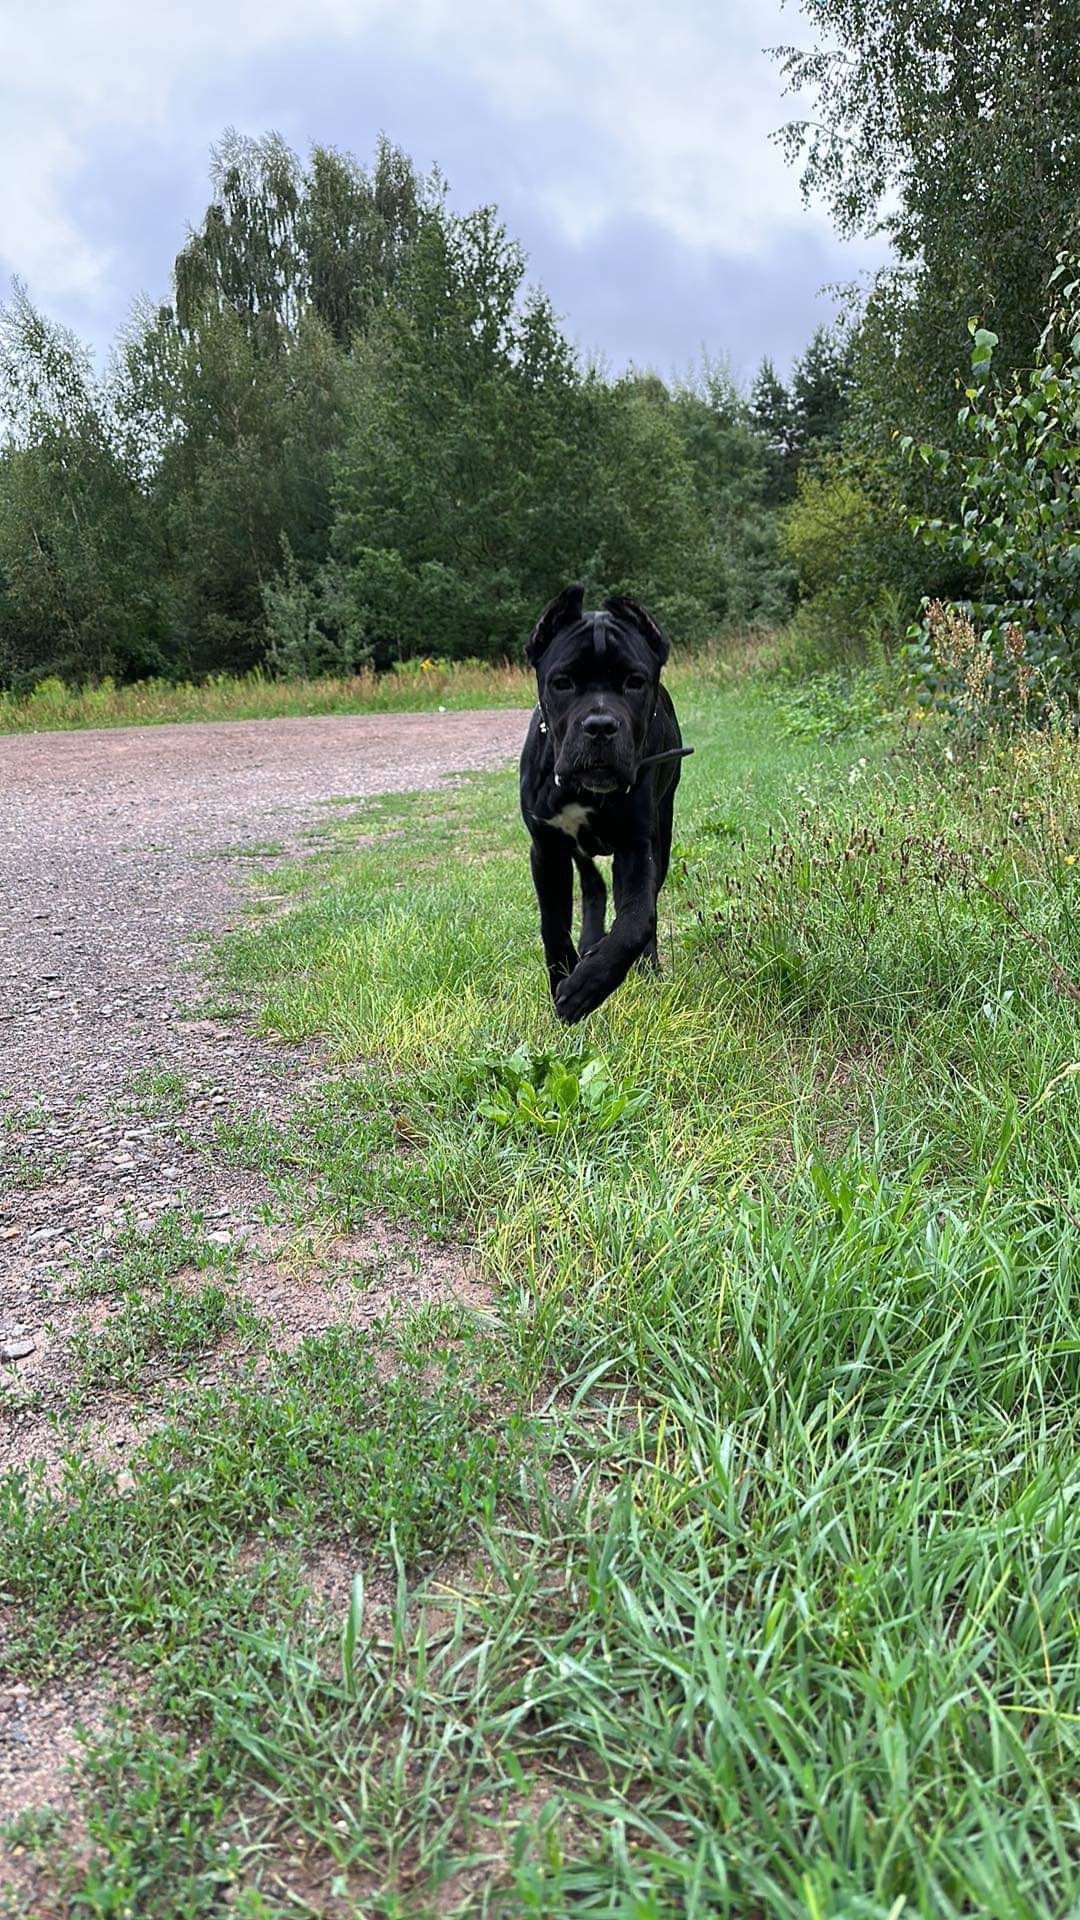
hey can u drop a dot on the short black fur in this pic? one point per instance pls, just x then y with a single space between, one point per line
585 791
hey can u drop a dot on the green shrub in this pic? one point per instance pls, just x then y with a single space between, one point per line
1017 519
845 536
538 1092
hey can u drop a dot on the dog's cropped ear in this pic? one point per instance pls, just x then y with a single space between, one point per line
633 615
559 613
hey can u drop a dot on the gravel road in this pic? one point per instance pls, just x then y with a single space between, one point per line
116 848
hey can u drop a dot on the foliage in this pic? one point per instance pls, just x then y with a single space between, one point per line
529 471
72 513
354 435
538 1091
845 536
804 420
831 704
278 242
744 574
1017 523
952 128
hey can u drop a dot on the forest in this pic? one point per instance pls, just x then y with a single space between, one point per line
355 432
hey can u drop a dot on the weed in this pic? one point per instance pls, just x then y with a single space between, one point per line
539 1092
170 1328
26 1172
834 705
158 1092
138 1258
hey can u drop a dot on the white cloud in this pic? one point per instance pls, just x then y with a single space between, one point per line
38 235
667 111
646 112
78 76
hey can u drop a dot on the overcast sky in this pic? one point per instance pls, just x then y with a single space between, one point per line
625 142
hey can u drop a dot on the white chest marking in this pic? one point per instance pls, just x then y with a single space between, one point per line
570 819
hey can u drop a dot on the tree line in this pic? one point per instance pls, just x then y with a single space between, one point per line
356 433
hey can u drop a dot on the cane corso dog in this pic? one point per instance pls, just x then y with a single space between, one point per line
599 770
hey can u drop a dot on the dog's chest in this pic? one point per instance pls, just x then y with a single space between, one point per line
576 822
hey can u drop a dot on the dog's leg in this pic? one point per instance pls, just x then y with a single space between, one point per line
649 959
553 878
665 821
593 901
633 931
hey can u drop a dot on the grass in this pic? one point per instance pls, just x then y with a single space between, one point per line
168 1331
761 1488
422 686
142 1260
157 1093
410 687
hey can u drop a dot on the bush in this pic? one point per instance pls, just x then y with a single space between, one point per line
401 612
845 534
1017 521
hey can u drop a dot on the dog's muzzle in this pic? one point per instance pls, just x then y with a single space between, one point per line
597 756
594 775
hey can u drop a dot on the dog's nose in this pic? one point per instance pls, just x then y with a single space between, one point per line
600 726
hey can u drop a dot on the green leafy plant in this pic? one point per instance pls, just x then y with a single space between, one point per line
167 1329
1018 514
539 1092
832 704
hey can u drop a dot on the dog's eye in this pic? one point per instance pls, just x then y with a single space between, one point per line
634 682
561 683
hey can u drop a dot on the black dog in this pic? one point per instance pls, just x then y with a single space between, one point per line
599 771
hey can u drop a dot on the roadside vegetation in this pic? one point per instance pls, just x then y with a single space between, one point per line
416 686
422 687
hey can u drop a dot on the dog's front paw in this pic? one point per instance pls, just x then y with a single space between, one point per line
580 994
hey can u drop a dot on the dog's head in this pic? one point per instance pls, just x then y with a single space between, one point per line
597 675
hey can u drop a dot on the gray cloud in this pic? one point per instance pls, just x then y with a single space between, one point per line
629 151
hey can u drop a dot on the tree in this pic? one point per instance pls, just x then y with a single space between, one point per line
356 231
953 126
279 241
747 579
236 389
353 432
77 577
774 417
242 451
820 382
1016 520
